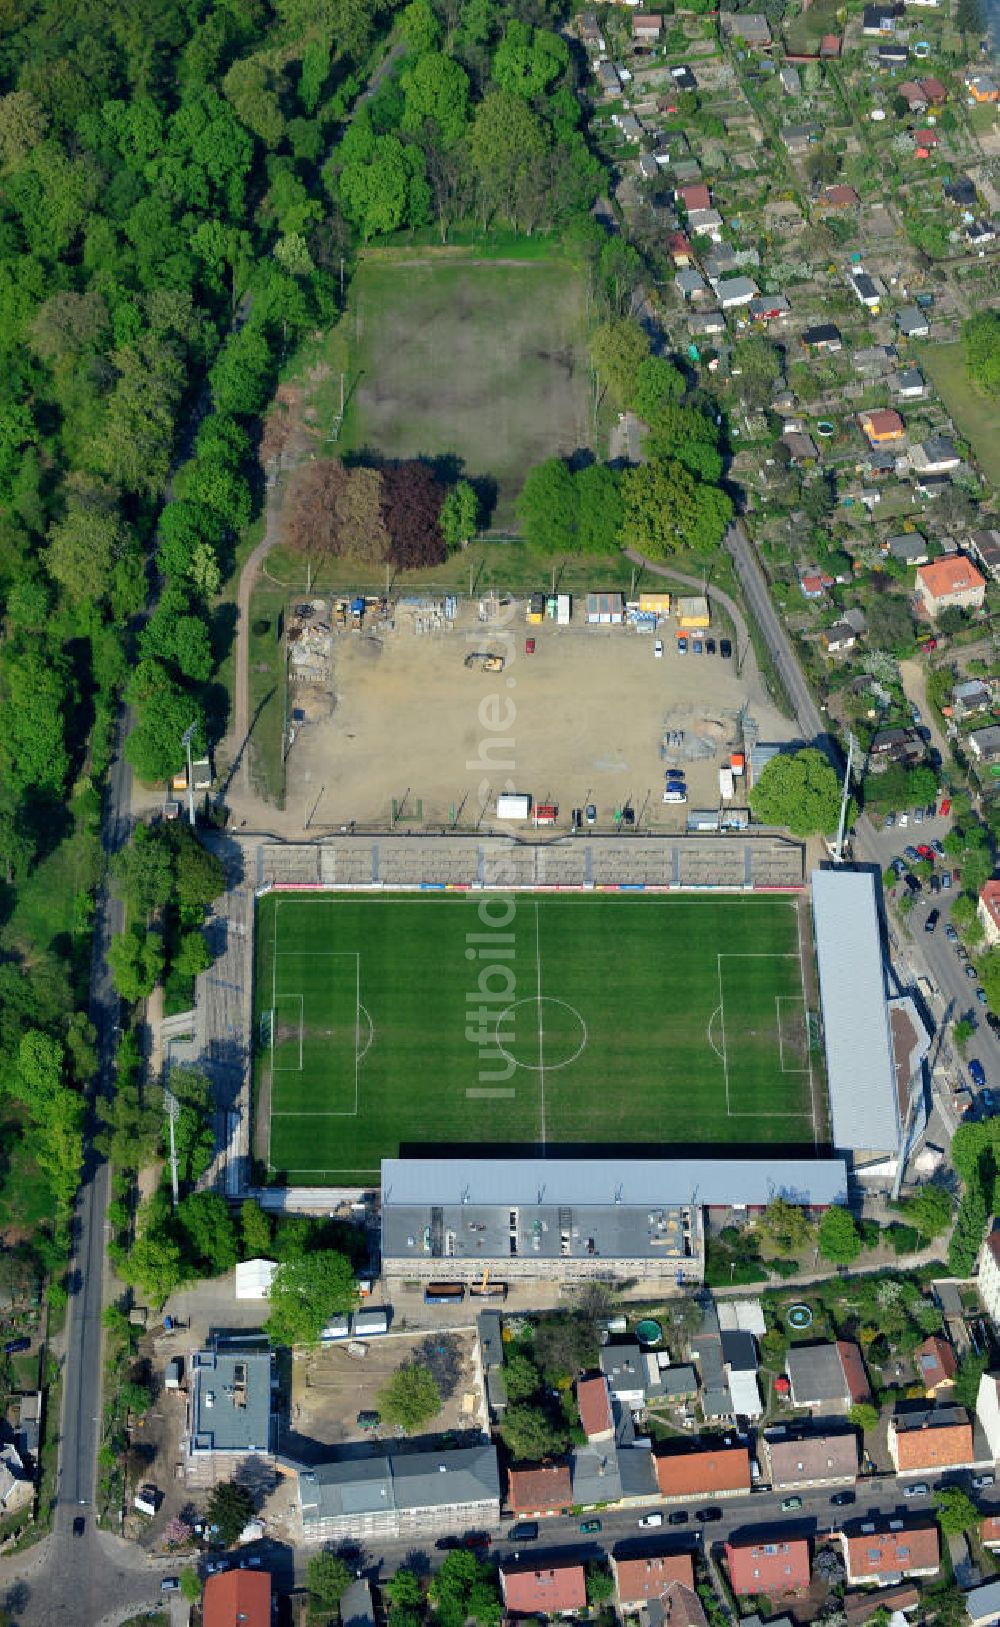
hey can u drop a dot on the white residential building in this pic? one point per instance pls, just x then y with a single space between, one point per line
988 1411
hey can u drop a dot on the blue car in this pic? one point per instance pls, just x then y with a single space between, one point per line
977 1073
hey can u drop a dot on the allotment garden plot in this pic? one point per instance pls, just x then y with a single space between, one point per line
393 1022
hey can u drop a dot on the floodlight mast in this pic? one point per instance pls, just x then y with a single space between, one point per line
186 739
838 855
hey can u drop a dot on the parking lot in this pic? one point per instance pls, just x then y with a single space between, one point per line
582 720
331 1387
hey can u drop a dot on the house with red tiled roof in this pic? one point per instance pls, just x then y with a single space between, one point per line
840 196
950 582
936 1365
680 250
989 1531
924 142
645 1578
595 1408
703 1470
988 911
884 1549
237 1597
555 1589
696 196
930 1439
882 425
547 1489
774 1568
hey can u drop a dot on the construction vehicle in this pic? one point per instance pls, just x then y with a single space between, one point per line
486 658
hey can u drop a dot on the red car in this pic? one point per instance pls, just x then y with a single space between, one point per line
945 808
925 851
529 646
928 644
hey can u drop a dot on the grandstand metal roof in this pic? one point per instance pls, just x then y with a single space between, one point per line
864 1108
595 1182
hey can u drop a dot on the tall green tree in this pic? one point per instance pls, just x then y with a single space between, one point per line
799 791
306 1293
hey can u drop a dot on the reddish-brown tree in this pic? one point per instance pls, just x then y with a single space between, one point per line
411 508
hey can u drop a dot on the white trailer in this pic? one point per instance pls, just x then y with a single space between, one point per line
726 787
564 609
513 805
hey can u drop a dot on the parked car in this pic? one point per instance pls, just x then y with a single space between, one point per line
651 1520
911 853
170 1584
946 880
961 951
982 1482
993 1020
790 1503
981 995
708 1516
903 821
590 1528
682 644
945 808
932 920
918 816
919 1490
925 851
890 820
680 1516
697 646
935 884
591 814
970 972
474 1539
913 882
899 865
523 1531
710 646
658 649
977 1073
950 933
725 649
938 847
79 1526
841 1499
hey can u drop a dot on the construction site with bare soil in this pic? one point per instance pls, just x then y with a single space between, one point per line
423 711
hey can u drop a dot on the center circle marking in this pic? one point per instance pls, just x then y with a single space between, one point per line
536 1002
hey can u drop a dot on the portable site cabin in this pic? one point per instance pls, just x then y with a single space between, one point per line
606 608
654 604
513 805
367 1324
338 1327
536 609
564 609
726 787
545 813
693 612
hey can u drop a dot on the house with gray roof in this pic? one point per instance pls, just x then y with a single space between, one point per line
356 1606
595 1476
909 548
912 322
690 284
909 384
399 1495
985 546
624 1369
971 697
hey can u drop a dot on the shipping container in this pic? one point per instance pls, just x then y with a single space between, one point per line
726 786
564 609
545 813
366 1324
338 1327
444 1293
513 805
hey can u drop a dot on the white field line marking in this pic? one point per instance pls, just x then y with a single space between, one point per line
541 1022
751 1113
490 1093
722 1027
803 948
793 999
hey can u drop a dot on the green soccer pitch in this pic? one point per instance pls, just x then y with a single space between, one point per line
396 1021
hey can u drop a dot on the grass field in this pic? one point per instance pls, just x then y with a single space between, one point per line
977 417
474 359
606 1020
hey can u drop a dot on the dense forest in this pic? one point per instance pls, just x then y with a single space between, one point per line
163 224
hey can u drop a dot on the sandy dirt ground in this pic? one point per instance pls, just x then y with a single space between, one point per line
330 1387
583 720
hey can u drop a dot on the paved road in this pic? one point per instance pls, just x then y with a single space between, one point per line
811 725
